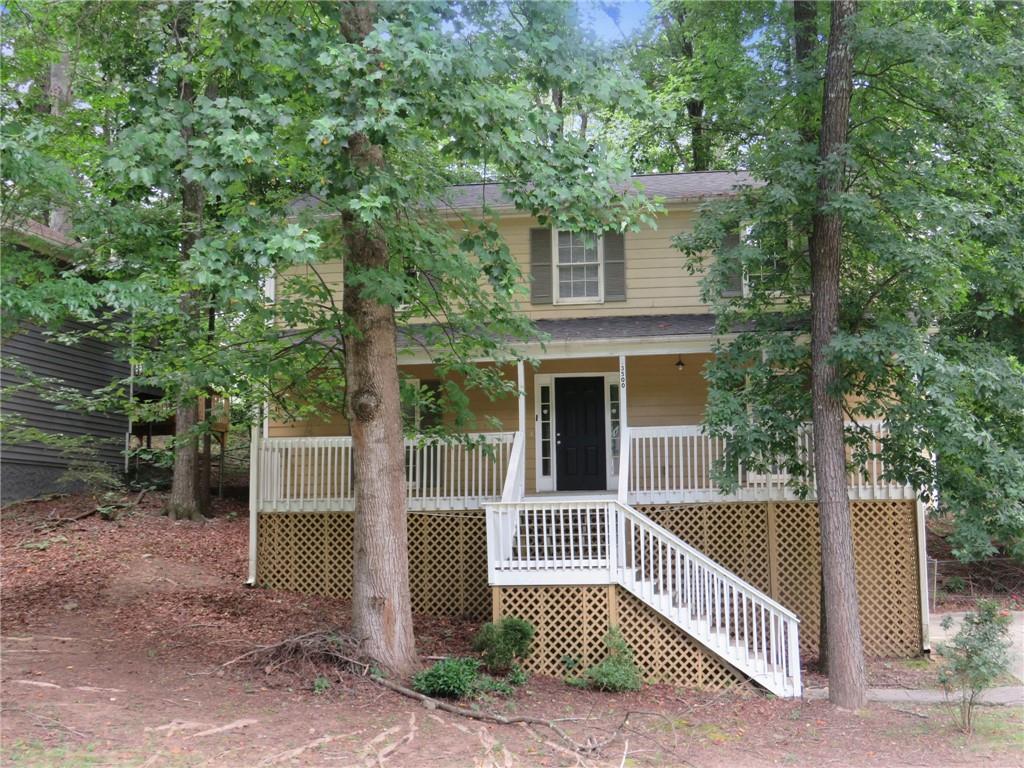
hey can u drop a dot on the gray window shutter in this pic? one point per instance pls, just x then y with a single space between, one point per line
540 266
614 266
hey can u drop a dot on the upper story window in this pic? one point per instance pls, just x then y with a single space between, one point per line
578 267
734 281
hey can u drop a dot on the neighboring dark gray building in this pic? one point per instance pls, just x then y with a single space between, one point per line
31 469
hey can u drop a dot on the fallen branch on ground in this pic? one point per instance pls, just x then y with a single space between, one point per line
221 729
106 510
590 746
291 754
312 650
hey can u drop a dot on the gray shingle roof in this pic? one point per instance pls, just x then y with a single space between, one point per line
673 187
635 327
581 329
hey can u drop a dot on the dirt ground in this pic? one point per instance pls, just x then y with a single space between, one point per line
114 634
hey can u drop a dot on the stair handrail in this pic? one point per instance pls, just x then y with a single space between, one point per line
512 490
642 520
625 439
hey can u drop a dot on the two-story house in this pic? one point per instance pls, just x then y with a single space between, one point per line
595 505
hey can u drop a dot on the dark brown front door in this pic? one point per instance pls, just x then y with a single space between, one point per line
579 434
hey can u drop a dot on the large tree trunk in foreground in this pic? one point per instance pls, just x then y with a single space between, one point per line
184 500
381 606
805 41
843 648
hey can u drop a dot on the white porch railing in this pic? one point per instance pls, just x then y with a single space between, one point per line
316 473
673 464
605 542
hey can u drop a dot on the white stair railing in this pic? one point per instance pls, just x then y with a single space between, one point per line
730 617
540 542
580 541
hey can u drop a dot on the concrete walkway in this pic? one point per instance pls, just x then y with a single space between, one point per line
1009 696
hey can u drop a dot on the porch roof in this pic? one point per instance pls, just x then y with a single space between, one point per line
626 327
590 337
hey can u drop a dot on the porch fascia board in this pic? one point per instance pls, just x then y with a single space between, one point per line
683 344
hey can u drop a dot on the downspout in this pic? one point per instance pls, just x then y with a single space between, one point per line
254 500
922 576
260 430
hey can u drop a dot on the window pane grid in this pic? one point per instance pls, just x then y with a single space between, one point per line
578 264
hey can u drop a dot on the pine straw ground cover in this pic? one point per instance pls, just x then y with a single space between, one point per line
115 636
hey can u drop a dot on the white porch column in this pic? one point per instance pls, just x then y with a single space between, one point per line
623 422
521 379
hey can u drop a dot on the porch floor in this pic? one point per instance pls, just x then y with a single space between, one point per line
572 496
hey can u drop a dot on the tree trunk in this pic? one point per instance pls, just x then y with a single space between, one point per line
805 41
698 139
182 503
843 647
184 500
699 147
206 468
381 606
58 92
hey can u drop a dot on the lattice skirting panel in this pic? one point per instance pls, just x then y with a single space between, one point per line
571 622
775 547
311 552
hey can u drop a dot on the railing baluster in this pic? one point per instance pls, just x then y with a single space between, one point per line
566 556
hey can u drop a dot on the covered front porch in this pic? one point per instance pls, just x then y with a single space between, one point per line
624 427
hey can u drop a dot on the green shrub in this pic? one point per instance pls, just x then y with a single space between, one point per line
488 684
954 584
516 676
616 673
449 679
504 644
321 685
977 657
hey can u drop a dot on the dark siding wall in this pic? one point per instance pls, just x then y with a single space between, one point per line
87 366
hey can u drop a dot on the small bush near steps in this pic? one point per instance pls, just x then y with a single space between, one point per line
448 679
976 658
505 644
618 671
460 678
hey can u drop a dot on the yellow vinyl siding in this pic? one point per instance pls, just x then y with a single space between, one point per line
656 279
662 396
505 409
334 426
328 271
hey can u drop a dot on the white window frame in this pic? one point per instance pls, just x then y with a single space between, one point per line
555 267
548 484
